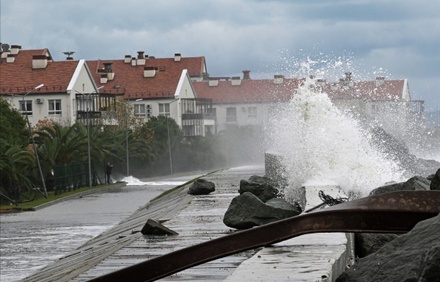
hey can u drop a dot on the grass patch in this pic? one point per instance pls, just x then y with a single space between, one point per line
40 199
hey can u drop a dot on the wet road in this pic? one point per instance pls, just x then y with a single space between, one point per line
31 240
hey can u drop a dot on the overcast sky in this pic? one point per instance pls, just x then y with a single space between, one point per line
393 38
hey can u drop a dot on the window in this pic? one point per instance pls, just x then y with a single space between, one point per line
252 112
231 114
55 107
164 109
139 110
26 107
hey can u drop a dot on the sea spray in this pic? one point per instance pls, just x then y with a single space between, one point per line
319 142
133 181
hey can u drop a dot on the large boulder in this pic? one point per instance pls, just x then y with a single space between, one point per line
397 150
279 203
247 210
368 243
414 256
261 186
435 181
414 183
201 187
153 227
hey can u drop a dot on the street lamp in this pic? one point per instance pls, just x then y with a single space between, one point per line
126 135
89 159
33 140
168 134
169 147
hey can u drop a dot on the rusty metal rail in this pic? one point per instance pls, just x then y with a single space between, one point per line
395 212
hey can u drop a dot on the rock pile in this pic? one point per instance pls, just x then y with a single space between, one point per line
258 204
414 256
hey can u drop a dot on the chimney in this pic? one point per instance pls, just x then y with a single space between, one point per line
150 71
278 79
177 57
347 81
103 79
235 81
141 58
39 62
10 58
15 49
320 82
69 55
380 80
246 74
133 62
213 82
127 59
5 54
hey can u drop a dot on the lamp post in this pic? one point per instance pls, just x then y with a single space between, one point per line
169 139
169 147
126 140
126 136
89 159
33 140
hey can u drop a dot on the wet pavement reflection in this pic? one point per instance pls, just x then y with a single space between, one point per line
31 240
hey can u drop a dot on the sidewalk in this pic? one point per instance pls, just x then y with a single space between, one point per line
198 219
195 218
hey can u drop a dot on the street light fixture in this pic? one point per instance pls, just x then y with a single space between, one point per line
89 159
33 141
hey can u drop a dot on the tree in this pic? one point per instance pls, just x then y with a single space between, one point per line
12 124
167 136
17 162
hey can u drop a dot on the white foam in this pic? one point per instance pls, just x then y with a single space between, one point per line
318 141
133 181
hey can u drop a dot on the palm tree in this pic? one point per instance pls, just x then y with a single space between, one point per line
15 164
60 145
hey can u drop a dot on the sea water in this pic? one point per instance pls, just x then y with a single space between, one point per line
318 142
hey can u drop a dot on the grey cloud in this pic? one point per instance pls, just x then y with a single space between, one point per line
265 36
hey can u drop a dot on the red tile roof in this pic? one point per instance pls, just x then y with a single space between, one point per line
131 81
367 90
264 90
18 77
249 91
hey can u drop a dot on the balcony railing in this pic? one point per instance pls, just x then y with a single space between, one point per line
209 116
